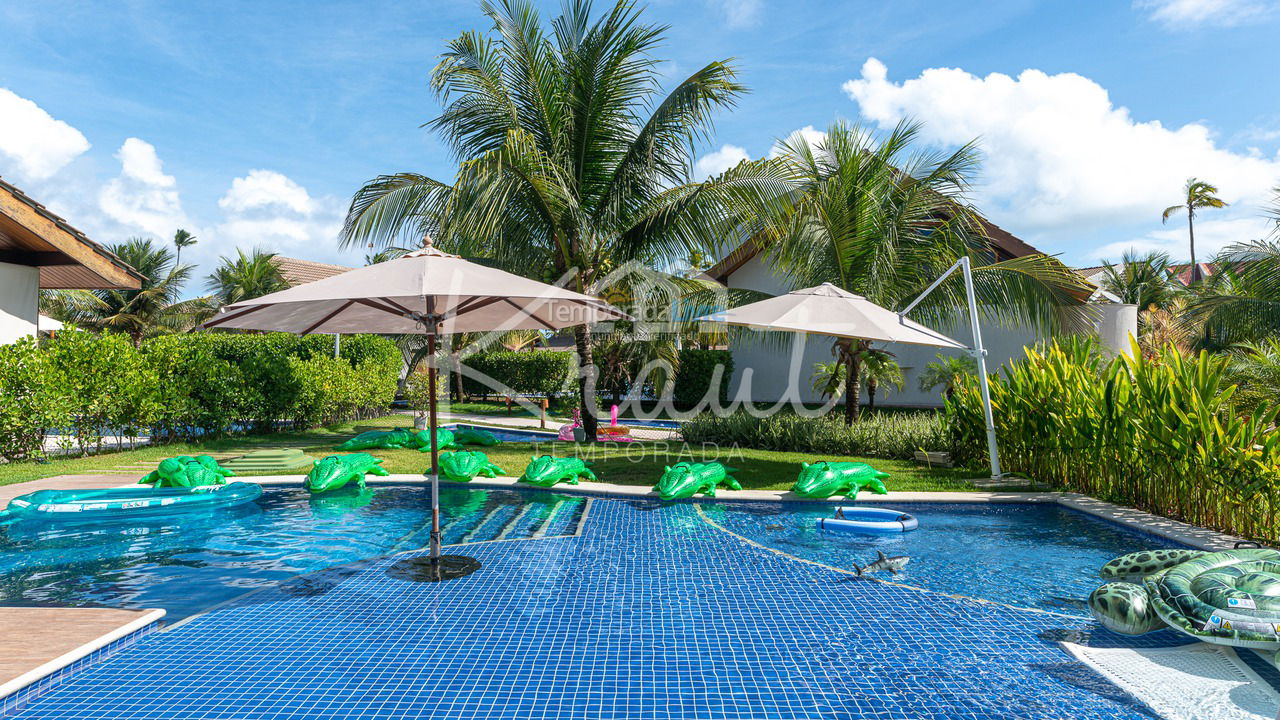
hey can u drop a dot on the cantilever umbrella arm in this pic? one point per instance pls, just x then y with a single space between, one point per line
978 351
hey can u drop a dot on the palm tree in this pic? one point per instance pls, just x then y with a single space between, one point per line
182 239
1141 280
881 220
1197 195
385 254
876 368
879 368
152 309
948 371
1240 303
245 277
572 163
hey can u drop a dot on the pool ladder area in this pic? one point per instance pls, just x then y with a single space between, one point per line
533 519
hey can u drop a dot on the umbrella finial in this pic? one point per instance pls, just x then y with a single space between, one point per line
427 241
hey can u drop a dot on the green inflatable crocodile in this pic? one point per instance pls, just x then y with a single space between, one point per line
464 465
684 479
1230 597
824 479
475 436
399 438
546 471
336 471
187 471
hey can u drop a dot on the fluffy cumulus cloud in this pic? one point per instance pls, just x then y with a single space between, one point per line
1061 156
265 189
269 210
142 198
807 134
33 144
1185 14
739 13
717 162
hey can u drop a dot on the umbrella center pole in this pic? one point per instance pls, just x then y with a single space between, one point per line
435 449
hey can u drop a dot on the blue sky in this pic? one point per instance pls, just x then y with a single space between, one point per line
251 123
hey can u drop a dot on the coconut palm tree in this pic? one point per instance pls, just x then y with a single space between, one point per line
573 163
245 277
1141 280
1241 302
948 372
1196 195
880 219
880 369
152 309
182 239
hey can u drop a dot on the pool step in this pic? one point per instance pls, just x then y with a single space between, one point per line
499 520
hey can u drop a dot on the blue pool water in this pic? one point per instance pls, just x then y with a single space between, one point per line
1030 555
188 563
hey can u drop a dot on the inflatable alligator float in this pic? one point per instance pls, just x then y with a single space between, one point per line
824 479
335 471
1230 597
465 465
685 479
186 471
546 471
399 438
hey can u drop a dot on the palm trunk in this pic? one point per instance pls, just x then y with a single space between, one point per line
586 382
1191 233
871 393
853 390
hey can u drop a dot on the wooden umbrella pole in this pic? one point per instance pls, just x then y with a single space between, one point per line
435 450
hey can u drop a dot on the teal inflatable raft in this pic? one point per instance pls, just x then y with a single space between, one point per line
112 504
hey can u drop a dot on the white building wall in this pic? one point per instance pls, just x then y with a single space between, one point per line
769 367
19 301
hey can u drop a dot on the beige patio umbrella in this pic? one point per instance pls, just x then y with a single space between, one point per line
828 310
426 292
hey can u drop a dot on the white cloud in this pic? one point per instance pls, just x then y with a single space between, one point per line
1184 14
739 13
266 188
1211 236
36 144
1060 156
717 162
807 134
142 198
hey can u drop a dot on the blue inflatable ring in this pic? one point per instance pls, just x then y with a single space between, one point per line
869 519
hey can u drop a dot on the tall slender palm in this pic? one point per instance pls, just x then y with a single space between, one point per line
1141 280
573 163
182 239
880 370
882 220
152 309
1196 195
245 277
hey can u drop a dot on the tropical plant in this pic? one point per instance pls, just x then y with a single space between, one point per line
949 371
884 435
1241 302
1255 369
878 218
1196 195
152 309
245 277
877 368
573 165
385 254
182 239
1168 326
1141 280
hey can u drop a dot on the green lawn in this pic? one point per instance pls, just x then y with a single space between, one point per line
635 464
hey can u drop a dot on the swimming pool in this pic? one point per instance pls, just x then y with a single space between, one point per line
189 563
1036 555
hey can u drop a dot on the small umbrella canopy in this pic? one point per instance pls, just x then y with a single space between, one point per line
395 297
828 310
426 292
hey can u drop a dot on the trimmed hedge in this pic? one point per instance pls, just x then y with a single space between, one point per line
541 372
696 373
881 435
88 386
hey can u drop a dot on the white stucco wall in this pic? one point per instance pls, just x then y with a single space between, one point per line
767 369
19 301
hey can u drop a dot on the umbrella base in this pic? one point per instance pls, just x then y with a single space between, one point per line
441 569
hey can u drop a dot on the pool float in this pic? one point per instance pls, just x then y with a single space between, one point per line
464 465
568 431
475 436
613 432
1230 597
399 438
127 503
824 479
336 471
869 519
684 479
187 471
546 471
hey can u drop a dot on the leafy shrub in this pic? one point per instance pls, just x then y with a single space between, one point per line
524 373
883 435
27 408
1161 433
697 371
103 384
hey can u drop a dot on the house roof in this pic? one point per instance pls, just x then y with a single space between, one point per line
1006 244
30 234
1180 272
298 272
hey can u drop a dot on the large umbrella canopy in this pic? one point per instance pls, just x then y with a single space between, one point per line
399 296
828 310
426 292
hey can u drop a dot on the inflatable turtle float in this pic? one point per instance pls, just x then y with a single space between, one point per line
1230 597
